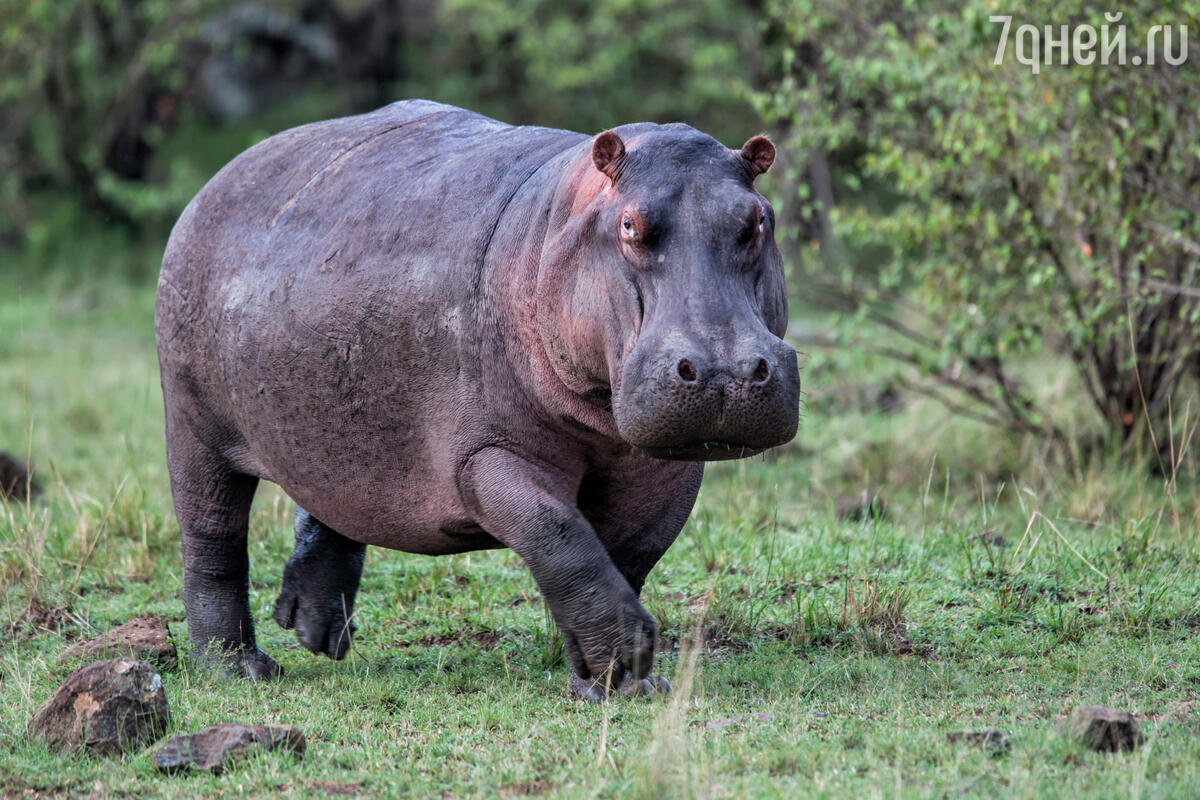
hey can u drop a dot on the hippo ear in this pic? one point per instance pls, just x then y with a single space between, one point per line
607 150
759 155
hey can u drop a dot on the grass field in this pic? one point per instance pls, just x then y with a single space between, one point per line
811 656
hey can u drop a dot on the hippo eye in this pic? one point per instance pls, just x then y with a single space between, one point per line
747 233
630 230
762 221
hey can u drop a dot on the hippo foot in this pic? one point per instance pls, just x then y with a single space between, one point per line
319 584
240 663
595 692
321 626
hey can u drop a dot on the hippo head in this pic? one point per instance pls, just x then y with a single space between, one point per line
662 295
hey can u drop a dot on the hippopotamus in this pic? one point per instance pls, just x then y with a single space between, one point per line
440 333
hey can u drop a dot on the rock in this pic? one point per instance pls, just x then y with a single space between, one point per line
1105 730
14 478
991 740
992 539
862 506
144 638
109 707
215 747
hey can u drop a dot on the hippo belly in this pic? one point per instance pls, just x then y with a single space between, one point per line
351 410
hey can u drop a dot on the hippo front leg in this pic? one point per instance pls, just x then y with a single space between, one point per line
637 508
606 632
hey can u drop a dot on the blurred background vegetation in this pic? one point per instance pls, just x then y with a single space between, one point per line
1022 248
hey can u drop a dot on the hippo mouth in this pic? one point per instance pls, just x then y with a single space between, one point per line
703 451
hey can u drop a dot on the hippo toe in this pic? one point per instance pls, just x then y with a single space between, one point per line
594 692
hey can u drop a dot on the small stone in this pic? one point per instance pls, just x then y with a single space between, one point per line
991 740
992 539
109 707
1105 730
862 506
217 746
14 478
144 638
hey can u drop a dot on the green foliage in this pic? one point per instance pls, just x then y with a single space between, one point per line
87 88
1056 209
588 66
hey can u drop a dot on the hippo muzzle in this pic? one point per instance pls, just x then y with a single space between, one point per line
682 400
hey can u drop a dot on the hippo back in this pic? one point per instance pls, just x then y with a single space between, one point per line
330 275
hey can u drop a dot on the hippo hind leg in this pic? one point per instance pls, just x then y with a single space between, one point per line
212 503
320 583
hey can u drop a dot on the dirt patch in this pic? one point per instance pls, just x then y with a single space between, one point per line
527 788
33 791
1181 711
903 647
892 640
717 639
337 789
786 589
990 740
485 639
38 618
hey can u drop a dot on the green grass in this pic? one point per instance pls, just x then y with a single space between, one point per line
811 656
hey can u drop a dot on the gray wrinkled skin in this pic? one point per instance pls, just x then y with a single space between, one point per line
441 333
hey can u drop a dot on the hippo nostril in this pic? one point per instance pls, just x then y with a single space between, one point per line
762 371
687 371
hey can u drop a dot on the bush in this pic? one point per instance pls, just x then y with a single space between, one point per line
87 88
1021 211
588 66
